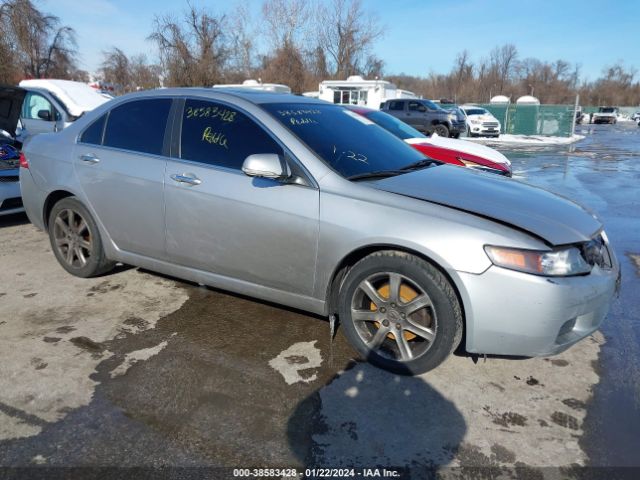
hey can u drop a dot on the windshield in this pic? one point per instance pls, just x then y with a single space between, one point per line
430 105
346 141
393 125
475 111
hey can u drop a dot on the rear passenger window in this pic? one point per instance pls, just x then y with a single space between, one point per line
396 106
138 125
93 134
219 135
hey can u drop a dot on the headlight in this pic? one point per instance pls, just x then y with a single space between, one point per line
452 116
558 263
475 121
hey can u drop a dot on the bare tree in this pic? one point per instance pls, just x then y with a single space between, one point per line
8 58
115 70
347 34
242 44
373 67
503 60
286 67
36 43
286 22
462 74
193 52
144 75
128 74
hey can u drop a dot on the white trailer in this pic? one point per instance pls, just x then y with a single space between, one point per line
355 90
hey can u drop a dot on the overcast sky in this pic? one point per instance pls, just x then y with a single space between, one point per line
421 35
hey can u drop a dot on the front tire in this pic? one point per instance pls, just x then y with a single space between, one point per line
400 312
76 241
441 130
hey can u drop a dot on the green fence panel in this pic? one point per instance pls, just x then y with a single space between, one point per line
549 120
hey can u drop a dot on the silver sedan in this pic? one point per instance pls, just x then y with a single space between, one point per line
310 205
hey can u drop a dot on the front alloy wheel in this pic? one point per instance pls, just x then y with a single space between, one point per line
441 130
394 316
400 312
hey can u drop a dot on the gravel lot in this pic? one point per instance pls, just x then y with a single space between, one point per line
137 369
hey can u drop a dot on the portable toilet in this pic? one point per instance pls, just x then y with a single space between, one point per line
499 100
526 115
499 106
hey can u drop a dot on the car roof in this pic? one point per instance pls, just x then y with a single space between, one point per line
253 96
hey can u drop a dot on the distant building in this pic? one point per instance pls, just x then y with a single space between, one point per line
257 85
355 90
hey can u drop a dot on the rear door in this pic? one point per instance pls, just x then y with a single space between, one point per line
220 220
120 164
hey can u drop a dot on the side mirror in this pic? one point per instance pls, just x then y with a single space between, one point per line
266 165
44 115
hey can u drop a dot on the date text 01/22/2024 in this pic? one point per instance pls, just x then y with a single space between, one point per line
316 473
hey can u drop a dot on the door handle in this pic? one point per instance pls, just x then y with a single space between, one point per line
186 178
89 158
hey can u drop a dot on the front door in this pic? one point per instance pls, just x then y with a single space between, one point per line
416 115
222 221
39 115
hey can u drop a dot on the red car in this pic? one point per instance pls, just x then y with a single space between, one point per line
456 152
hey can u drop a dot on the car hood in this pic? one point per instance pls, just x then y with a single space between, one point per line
483 118
11 99
553 218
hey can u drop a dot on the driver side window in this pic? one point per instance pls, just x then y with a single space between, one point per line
220 135
417 107
35 103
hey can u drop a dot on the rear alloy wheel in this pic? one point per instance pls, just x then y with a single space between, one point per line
75 239
441 130
400 312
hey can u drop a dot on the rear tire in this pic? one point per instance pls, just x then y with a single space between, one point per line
75 239
400 312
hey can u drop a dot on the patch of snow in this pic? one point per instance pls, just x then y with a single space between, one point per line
78 97
624 118
295 359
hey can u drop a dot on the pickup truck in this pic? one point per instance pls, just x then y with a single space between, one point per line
52 105
605 115
426 116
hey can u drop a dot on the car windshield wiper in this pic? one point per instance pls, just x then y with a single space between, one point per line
376 174
425 162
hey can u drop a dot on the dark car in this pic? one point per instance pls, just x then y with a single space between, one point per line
426 116
11 99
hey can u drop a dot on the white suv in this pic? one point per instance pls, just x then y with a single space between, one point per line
480 122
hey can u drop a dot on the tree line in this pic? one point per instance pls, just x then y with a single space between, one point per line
296 42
